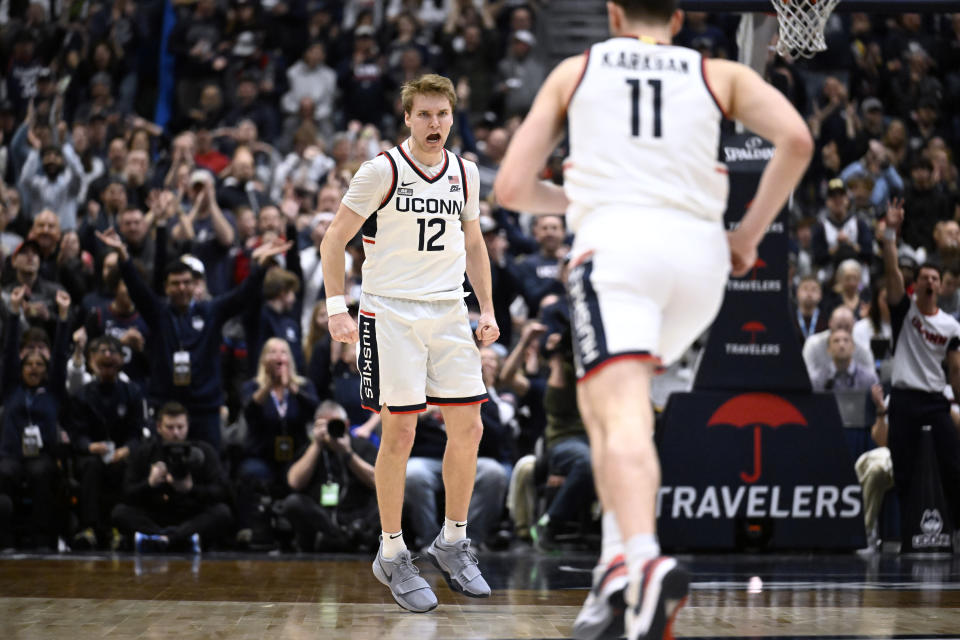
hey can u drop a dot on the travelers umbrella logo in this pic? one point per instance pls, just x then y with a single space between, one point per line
753 348
757 410
753 328
753 285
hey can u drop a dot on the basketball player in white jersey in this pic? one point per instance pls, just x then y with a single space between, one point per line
645 196
418 206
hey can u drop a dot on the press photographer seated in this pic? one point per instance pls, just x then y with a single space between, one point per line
333 506
175 493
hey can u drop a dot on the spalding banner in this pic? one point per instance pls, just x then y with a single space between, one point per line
756 470
752 342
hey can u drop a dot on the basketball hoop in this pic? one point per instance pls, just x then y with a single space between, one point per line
802 23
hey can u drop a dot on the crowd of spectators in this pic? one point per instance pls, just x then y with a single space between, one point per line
169 170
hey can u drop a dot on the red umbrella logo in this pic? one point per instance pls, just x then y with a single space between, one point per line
756 410
753 328
759 264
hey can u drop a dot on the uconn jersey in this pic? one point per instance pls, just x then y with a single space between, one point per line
644 131
412 237
921 345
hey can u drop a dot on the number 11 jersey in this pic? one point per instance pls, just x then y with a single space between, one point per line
412 237
644 132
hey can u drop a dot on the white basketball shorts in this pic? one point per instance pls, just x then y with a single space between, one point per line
643 285
413 353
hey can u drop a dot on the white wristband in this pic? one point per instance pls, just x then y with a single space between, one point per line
890 234
336 305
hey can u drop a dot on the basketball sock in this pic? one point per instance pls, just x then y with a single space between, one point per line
393 544
639 549
454 530
611 545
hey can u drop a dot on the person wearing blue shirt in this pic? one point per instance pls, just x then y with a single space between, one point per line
184 345
876 163
538 273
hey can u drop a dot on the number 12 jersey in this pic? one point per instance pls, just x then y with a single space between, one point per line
644 132
412 237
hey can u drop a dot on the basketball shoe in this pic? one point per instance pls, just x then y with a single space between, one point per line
602 613
458 564
403 578
654 600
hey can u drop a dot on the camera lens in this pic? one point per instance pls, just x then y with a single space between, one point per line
336 428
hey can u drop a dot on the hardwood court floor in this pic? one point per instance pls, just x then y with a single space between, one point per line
246 597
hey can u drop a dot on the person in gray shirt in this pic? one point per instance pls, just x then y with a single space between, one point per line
53 178
815 352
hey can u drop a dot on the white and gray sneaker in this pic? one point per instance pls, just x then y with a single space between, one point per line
403 578
458 564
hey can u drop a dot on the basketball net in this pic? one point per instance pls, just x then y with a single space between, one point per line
802 23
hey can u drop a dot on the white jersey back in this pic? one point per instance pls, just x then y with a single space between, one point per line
414 241
644 131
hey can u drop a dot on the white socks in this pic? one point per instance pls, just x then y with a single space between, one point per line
453 530
611 545
393 544
639 549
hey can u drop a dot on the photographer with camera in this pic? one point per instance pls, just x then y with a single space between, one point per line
333 506
175 493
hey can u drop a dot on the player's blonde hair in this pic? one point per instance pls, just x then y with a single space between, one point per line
429 83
